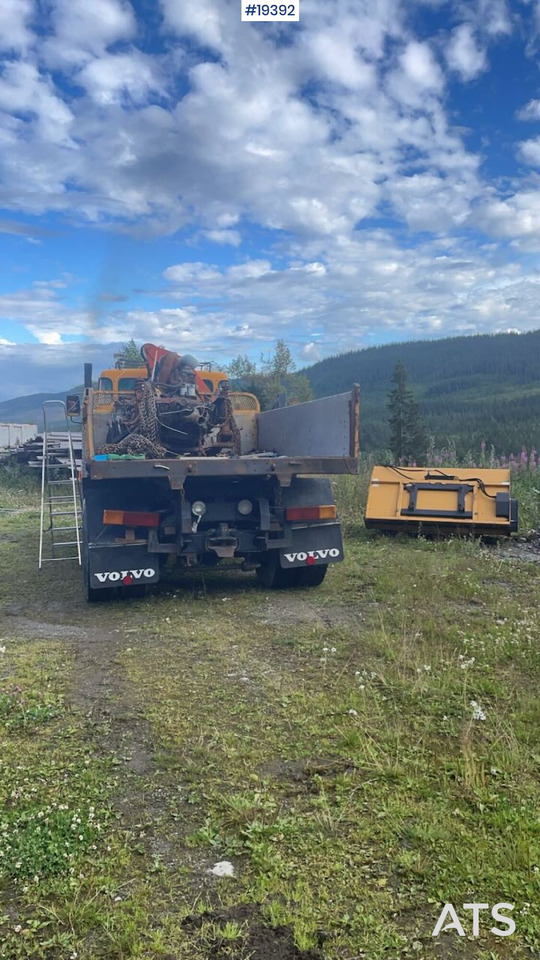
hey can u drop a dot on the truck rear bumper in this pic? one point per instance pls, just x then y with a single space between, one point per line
113 564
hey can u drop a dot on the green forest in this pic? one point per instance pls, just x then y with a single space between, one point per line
469 389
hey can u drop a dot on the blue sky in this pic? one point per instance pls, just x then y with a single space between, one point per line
167 172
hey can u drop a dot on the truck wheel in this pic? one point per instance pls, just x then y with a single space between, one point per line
271 574
312 576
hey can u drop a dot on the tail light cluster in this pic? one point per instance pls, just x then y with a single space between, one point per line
322 512
130 518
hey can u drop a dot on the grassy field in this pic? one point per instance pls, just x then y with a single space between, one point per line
361 754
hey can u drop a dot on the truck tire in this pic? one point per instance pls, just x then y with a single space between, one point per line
271 574
312 576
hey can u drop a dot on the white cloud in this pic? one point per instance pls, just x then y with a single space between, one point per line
41 311
188 272
516 217
530 151
420 66
463 53
491 16
306 136
251 270
242 139
334 56
24 90
15 20
310 353
83 30
202 20
111 77
531 111
418 75
232 237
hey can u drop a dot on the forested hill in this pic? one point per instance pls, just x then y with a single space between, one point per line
469 388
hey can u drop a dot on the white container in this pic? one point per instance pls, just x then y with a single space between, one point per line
13 435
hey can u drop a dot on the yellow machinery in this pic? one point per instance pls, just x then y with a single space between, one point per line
445 501
120 382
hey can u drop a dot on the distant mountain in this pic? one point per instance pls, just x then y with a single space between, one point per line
29 409
469 389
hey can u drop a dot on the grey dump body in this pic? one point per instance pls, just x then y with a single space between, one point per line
298 447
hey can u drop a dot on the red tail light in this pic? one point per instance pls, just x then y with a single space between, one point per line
127 518
324 512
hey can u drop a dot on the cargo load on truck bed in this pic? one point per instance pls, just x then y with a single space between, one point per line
175 412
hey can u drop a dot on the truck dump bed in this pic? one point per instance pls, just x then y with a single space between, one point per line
313 438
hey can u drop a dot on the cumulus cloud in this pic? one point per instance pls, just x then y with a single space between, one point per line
82 30
15 22
41 311
25 90
531 111
334 57
232 237
463 54
204 20
240 138
366 284
111 77
516 217
491 17
309 137
417 76
530 151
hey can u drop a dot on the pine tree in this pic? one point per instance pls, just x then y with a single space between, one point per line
130 353
274 383
407 435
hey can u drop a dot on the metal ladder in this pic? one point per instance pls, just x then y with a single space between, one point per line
67 502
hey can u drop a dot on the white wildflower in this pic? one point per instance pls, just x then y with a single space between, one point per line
478 713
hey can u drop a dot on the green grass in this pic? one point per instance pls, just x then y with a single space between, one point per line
329 743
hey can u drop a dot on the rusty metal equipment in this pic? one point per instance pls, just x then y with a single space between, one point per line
443 501
171 412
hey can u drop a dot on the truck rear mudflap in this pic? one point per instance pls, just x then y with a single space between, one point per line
313 545
121 566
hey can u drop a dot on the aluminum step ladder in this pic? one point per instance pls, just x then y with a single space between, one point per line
59 496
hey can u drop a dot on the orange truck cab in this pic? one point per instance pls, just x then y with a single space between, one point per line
119 381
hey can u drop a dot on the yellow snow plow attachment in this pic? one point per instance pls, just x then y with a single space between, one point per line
444 501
